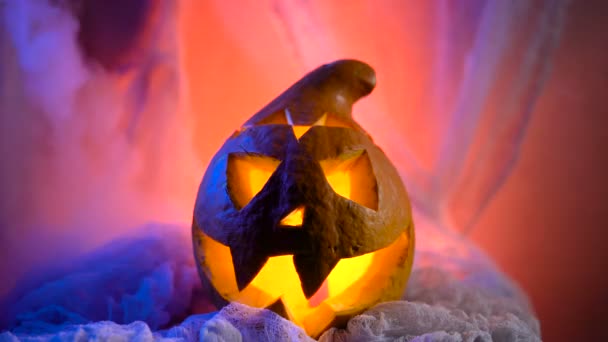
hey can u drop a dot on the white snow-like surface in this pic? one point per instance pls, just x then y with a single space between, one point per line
145 288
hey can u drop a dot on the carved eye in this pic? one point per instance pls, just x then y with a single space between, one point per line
247 173
352 176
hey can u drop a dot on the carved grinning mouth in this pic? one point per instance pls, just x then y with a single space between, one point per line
320 296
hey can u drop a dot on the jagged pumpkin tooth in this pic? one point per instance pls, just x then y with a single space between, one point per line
247 264
313 270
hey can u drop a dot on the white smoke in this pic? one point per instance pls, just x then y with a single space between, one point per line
87 152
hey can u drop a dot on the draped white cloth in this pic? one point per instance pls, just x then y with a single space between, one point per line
90 153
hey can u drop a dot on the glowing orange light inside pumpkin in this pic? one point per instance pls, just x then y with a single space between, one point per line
300 130
353 284
295 218
247 174
351 176
284 118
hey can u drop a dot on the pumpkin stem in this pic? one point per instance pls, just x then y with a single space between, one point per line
331 88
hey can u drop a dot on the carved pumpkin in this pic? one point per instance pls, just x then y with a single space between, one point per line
300 212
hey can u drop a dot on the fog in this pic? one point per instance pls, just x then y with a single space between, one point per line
107 126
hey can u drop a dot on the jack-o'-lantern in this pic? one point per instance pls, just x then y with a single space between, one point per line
300 212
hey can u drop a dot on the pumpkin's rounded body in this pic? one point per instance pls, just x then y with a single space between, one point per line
300 212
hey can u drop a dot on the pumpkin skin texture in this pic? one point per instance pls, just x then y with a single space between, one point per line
300 212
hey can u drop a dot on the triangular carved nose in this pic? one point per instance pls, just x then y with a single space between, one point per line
294 218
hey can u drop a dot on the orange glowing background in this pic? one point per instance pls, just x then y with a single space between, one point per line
254 58
545 227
